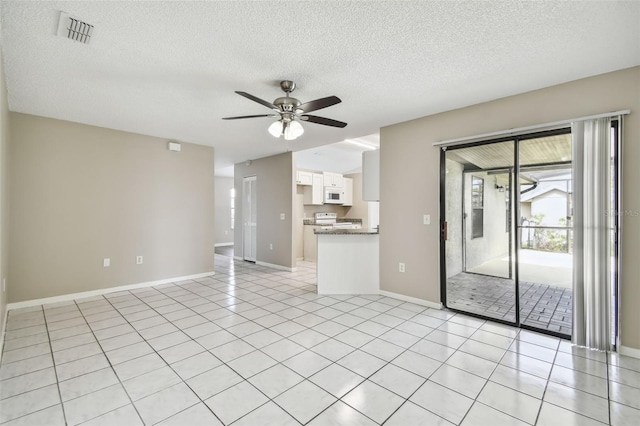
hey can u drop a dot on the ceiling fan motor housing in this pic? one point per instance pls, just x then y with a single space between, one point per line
287 104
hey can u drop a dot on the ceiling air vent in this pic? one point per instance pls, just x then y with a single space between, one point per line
74 28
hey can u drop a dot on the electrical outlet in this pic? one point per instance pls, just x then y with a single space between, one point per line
426 219
139 260
401 267
270 246
281 216
106 262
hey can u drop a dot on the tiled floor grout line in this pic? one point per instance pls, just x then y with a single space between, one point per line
104 353
55 370
556 351
387 362
269 399
546 385
364 378
156 352
308 378
370 335
167 365
224 363
110 365
246 284
309 349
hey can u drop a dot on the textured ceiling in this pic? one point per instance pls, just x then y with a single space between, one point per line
169 69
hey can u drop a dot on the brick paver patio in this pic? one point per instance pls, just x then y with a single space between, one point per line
542 306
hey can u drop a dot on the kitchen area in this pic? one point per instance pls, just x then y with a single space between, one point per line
337 225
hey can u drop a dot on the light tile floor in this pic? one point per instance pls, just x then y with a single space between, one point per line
257 346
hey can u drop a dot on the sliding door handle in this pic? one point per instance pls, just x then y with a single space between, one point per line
444 231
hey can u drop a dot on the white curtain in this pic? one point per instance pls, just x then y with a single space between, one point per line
592 233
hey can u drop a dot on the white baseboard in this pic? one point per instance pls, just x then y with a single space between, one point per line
238 258
84 294
274 266
410 299
223 244
627 351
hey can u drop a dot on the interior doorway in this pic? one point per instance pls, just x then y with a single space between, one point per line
507 240
249 218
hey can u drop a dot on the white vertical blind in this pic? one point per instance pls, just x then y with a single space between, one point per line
592 233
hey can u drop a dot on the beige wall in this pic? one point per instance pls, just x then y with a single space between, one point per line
224 233
81 193
276 186
360 208
410 179
4 209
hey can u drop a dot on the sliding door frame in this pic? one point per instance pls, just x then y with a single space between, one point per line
514 228
443 229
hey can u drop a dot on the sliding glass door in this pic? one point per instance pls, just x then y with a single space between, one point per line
479 237
507 230
545 231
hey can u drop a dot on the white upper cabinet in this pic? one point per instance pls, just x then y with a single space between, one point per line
314 194
371 175
348 192
333 180
304 178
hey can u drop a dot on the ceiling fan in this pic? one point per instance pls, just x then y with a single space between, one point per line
290 112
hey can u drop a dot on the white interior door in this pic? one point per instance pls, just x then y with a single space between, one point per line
249 228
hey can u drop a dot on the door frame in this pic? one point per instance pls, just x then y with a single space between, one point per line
253 197
515 210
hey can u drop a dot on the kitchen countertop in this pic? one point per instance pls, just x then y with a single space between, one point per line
361 231
339 220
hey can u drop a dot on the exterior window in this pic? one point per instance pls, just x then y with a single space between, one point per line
477 207
233 206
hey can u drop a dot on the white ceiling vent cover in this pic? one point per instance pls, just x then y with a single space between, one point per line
74 28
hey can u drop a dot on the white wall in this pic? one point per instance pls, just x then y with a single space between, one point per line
495 239
453 211
553 205
224 233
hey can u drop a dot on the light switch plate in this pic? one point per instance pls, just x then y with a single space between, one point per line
426 219
281 216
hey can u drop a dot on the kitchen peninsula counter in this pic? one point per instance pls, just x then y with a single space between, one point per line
348 261
338 231
338 220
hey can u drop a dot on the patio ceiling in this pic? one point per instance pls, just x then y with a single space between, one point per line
540 151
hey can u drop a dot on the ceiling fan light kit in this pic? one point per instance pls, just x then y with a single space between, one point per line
290 111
